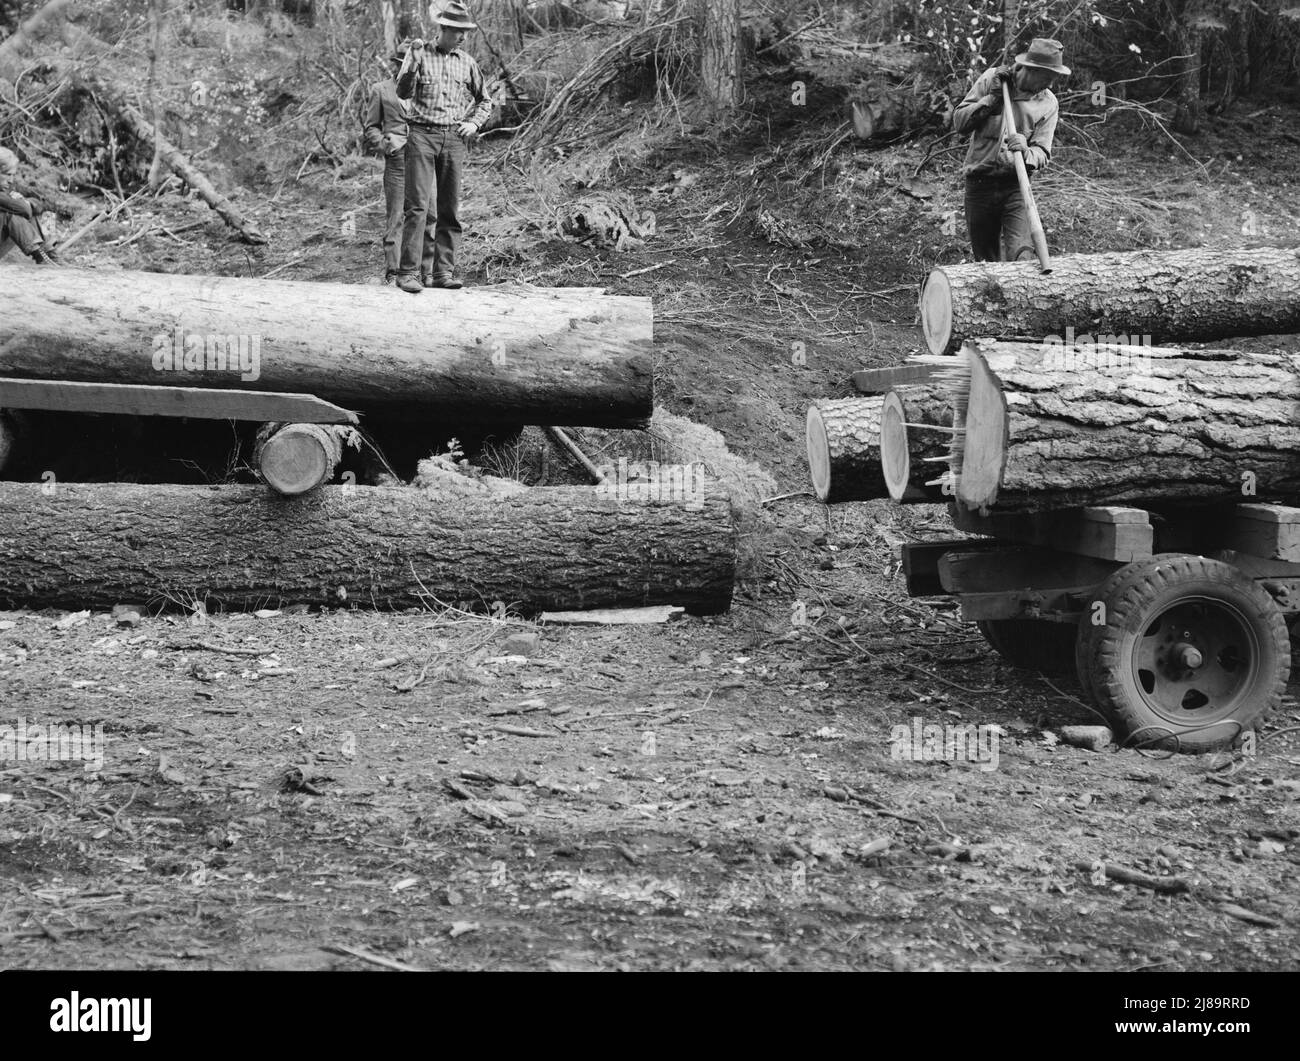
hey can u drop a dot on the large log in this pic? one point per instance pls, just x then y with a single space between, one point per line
506 354
1144 297
1047 429
556 549
844 443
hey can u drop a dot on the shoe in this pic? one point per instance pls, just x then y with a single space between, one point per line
44 256
411 284
446 283
389 277
426 280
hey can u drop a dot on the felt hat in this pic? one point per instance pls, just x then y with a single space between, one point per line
456 15
1044 54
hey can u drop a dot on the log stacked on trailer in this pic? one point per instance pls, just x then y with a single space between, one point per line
843 440
568 356
553 549
1047 428
1193 295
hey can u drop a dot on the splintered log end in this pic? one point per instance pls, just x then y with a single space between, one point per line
298 458
983 444
819 454
936 312
895 458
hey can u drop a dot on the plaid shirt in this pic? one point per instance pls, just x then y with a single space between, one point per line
445 88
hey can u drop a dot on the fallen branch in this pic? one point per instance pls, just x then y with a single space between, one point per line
1165 885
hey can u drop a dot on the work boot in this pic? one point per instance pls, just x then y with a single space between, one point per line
411 284
44 256
389 277
446 282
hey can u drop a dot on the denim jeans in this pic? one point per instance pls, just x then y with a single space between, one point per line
997 220
25 234
434 160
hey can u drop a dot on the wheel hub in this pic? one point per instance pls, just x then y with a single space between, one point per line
1196 659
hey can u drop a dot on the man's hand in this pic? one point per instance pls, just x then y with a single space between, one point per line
417 45
466 130
1017 142
388 146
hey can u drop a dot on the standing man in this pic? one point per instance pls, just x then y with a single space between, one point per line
449 105
996 217
18 216
385 131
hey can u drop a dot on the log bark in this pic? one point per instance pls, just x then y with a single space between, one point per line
1068 428
1151 297
720 57
565 548
844 442
482 355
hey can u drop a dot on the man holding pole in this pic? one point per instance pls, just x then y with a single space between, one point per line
997 215
449 105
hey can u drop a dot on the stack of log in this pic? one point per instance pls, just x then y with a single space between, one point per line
282 353
1043 391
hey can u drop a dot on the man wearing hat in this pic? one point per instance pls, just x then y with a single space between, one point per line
449 105
385 131
18 217
996 217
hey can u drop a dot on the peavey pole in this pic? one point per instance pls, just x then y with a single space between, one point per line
1022 175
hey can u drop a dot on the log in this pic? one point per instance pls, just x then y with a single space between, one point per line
1144 297
241 547
844 442
843 439
294 458
916 429
1047 429
483 355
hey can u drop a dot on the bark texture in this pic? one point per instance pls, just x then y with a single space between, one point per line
1128 425
564 548
521 354
1171 296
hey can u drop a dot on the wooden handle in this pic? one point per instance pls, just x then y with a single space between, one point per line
1022 175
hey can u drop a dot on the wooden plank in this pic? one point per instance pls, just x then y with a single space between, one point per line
1021 570
197 402
1271 532
920 562
882 380
1068 530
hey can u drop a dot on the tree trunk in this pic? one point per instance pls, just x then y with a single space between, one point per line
1150 297
93 546
1187 45
295 458
844 442
720 63
1132 425
523 354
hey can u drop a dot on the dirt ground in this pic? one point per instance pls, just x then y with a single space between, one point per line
344 789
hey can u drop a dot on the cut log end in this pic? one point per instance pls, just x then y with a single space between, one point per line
298 458
983 445
895 460
819 454
936 312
